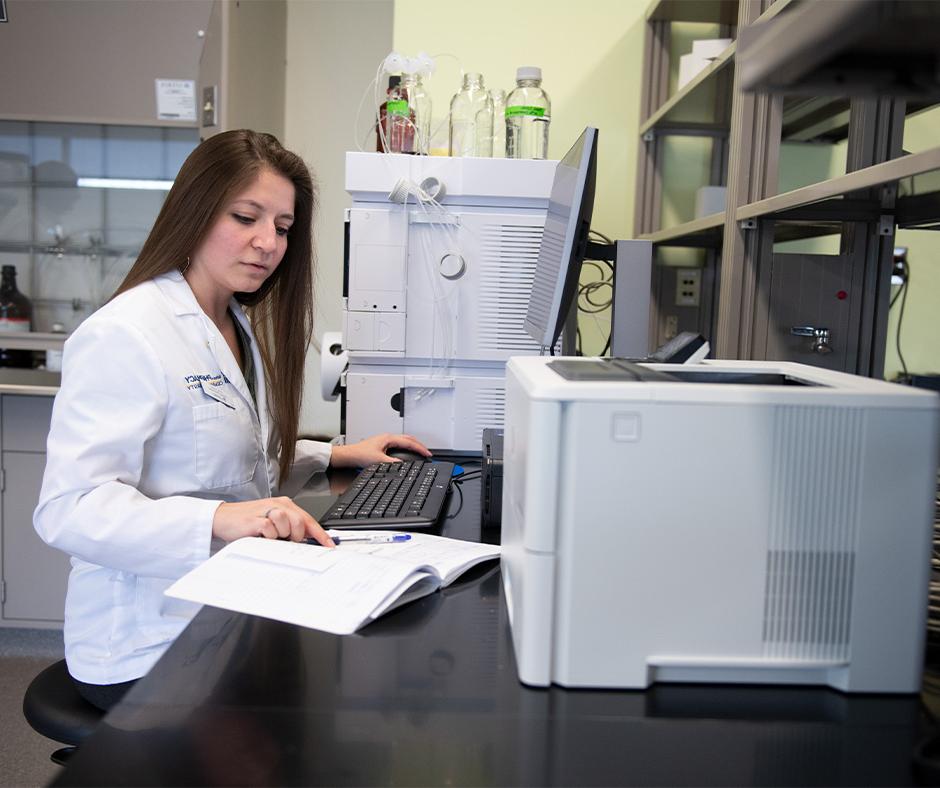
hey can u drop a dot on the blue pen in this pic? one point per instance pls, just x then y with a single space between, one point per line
366 539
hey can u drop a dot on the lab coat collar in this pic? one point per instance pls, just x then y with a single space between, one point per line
183 302
179 294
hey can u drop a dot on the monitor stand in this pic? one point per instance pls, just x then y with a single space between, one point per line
630 311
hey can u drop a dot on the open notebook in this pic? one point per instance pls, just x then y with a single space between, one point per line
337 590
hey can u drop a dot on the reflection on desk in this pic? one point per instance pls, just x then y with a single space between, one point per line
429 695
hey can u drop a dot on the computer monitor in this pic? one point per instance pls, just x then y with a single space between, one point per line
564 241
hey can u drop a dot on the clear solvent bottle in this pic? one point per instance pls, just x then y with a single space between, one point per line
528 115
420 103
498 97
465 108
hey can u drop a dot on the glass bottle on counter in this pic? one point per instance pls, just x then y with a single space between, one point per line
16 315
395 131
498 97
54 356
420 103
528 114
465 113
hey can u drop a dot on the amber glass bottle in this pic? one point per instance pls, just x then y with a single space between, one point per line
16 314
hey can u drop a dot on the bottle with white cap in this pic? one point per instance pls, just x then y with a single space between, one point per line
54 355
528 114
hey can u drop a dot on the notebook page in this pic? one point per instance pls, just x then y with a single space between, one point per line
450 558
332 590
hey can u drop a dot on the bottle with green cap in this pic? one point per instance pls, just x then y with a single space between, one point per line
528 114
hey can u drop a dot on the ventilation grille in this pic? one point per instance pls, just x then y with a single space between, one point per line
490 411
812 533
543 291
509 255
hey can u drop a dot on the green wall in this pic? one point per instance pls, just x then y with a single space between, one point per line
920 329
590 55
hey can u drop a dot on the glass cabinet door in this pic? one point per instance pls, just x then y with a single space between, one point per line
76 204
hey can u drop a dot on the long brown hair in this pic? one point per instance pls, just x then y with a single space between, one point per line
281 310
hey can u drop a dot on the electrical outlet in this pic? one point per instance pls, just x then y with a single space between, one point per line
671 327
688 286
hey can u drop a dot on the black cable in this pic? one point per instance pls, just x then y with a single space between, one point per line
452 515
600 235
597 265
466 475
903 295
897 295
905 272
586 292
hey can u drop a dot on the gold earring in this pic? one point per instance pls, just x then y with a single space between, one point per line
185 267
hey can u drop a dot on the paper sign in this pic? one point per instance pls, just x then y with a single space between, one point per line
176 99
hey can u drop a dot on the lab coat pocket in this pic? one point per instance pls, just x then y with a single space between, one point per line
226 451
159 619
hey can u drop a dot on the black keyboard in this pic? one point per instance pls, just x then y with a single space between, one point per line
393 495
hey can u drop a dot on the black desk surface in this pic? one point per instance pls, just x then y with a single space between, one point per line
428 695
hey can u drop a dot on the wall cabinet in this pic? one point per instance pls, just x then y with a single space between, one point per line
35 575
96 62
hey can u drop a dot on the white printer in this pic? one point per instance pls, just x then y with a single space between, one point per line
732 521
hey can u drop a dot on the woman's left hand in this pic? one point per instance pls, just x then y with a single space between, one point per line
370 450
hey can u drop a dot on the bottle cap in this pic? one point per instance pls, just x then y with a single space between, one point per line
528 72
8 269
394 81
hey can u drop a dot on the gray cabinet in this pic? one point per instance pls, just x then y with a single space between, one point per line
97 62
34 575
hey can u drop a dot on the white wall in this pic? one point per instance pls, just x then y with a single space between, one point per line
333 49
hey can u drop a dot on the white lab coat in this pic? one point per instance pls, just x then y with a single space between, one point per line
152 429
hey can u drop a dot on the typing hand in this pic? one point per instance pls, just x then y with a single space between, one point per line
370 450
272 518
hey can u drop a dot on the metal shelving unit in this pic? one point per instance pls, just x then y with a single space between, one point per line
704 233
887 173
757 293
67 250
720 11
851 47
661 120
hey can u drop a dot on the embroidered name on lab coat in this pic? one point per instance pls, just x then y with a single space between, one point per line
195 381
211 386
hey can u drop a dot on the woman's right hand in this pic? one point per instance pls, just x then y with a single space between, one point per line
272 518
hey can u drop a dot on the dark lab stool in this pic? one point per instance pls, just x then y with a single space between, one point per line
53 707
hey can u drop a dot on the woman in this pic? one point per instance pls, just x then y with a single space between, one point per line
177 418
